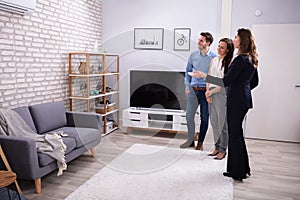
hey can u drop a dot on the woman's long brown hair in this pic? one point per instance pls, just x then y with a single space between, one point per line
228 58
247 45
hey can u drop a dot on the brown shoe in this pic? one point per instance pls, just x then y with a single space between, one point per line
214 153
196 137
220 156
187 144
199 146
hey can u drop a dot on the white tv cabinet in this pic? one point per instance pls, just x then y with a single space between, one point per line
157 119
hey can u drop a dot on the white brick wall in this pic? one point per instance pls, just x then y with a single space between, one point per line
34 59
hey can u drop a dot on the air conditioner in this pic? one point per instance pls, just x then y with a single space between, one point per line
18 6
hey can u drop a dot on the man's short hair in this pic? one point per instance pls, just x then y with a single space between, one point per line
209 38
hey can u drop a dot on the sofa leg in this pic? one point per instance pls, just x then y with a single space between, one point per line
93 152
38 185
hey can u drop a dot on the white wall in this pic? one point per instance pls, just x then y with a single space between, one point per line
121 17
272 12
276 113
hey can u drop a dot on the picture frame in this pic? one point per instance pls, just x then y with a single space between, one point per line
148 38
182 39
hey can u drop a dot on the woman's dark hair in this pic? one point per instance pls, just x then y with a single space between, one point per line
230 49
208 37
247 45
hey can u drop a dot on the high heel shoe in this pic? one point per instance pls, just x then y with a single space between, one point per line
226 174
237 179
248 174
214 153
220 156
233 177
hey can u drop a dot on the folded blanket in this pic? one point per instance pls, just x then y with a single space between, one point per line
50 143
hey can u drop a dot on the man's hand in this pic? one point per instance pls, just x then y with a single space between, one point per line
199 74
187 92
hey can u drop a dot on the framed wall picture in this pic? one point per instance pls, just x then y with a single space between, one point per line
182 39
148 38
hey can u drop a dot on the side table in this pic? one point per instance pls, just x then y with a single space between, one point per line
6 179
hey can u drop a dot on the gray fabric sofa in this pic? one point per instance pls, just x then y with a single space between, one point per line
84 130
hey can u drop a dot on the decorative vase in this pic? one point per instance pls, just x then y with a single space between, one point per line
82 68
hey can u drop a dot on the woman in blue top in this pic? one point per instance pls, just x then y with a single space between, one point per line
240 79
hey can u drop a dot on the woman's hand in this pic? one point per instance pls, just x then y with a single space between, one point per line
208 94
199 74
209 100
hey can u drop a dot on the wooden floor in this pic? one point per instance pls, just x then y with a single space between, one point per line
275 167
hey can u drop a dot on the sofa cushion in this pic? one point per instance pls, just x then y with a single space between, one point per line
45 159
25 114
82 136
48 116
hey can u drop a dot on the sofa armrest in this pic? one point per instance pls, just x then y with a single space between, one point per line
21 154
84 119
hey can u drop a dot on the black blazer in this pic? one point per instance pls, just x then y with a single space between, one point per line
240 79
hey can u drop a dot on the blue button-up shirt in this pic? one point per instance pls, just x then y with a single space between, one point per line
197 62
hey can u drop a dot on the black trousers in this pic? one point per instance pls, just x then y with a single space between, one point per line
237 160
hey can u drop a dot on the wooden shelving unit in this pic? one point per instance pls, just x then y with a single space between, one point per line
98 68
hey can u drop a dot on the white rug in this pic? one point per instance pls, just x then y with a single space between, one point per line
145 172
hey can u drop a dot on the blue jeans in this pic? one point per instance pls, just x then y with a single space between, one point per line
195 98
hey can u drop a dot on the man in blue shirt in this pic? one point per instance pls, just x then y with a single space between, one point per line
196 88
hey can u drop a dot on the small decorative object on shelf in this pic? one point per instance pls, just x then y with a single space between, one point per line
109 108
83 87
82 68
93 69
93 82
99 87
108 89
100 67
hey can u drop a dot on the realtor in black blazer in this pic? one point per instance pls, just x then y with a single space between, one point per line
240 79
